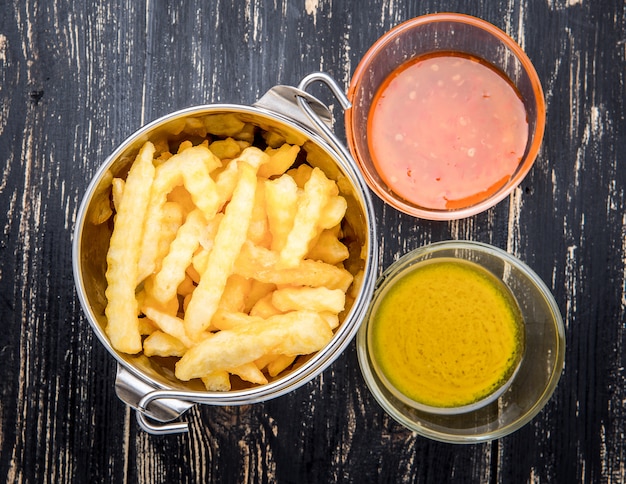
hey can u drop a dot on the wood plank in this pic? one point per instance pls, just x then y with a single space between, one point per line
77 78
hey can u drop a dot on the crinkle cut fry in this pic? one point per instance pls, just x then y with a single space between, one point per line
261 264
317 191
192 168
295 333
122 309
182 248
229 239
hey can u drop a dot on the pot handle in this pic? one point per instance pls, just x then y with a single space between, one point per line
299 105
323 127
140 396
283 100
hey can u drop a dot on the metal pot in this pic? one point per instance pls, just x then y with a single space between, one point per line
150 388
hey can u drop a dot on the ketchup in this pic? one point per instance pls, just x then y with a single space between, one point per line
446 130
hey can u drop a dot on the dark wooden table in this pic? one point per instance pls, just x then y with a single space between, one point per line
78 77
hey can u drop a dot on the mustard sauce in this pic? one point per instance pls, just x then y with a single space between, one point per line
447 333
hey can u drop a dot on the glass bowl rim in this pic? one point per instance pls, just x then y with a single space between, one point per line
377 388
378 187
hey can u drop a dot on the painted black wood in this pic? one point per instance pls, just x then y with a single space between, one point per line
77 77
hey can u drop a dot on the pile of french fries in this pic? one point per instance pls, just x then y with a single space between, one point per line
225 254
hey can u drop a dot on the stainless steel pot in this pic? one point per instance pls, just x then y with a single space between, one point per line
150 388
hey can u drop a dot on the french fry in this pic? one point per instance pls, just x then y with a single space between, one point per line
198 264
227 179
194 127
145 297
257 291
328 248
262 362
280 160
171 219
281 196
101 210
226 148
279 364
196 165
223 124
262 264
163 344
171 325
218 381
117 192
230 237
293 334
184 145
259 232
317 191
146 327
234 295
301 174
182 248
246 134
249 372
243 144
225 319
264 308
191 168
254 157
122 309
332 319
358 282
237 264
319 299
334 211
273 139
162 145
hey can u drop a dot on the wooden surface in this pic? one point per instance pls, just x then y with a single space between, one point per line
78 77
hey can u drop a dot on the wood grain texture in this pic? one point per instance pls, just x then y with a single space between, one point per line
78 77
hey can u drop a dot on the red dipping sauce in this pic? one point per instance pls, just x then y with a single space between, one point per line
446 131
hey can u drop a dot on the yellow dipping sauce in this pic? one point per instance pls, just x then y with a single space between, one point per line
447 333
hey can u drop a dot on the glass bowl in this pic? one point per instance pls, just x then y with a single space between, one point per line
523 395
442 34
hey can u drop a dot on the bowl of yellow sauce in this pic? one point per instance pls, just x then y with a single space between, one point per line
446 336
462 342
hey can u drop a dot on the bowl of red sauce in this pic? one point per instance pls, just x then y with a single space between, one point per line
447 116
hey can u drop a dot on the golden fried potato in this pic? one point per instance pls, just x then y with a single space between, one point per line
229 239
319 299
191 168
224 255
317 191
172 272
122 310
281 159
160 343
294 333
281 197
